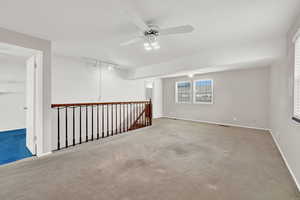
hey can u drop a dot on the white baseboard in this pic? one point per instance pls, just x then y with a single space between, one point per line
13 129
44 154
285 161
157 117
219 123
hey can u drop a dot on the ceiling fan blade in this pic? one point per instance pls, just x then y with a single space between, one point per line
132 41
176 30
136 20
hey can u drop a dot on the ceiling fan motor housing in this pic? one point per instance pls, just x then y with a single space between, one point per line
151 34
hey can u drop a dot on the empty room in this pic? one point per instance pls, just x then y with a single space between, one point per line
132 100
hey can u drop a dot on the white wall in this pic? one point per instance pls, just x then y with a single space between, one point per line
241 97
285 131
157 99
75 80
12 93
115 87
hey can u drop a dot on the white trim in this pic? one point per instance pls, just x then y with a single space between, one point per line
14 129
176 92
44 154
285 161
18 161
218 123
295 82
212 91
158 116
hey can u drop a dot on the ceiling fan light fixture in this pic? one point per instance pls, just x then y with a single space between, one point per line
146 44
156 46
148 48
154 43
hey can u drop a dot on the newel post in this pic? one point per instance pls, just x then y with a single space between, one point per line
150 109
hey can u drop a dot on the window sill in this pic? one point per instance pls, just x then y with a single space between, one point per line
183 103
205 103
296 119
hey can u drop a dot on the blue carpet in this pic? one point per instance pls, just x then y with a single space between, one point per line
13 146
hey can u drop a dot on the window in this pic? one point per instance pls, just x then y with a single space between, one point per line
297 81
203 91
183 92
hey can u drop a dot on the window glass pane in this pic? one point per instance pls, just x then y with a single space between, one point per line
183 92
297 80
203 91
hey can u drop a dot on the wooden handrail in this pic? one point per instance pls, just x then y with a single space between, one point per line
96 103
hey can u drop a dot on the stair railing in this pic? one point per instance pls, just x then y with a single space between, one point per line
77 123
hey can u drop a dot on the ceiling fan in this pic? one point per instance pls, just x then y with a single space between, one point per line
150 32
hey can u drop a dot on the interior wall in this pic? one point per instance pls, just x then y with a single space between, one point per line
115 86
285 131
241 97
12 93
157 99
75 80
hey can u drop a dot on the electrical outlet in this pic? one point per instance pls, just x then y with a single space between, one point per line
234 119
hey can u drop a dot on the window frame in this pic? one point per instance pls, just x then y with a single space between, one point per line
295 40
176 92
212 91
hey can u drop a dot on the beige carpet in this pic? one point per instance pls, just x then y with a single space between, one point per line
171 160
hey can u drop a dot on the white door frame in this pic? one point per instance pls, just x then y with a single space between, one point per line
30 94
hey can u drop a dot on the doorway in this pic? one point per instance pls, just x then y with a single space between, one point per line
149 89
17 102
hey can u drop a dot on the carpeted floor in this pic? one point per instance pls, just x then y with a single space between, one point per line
13 146
172 160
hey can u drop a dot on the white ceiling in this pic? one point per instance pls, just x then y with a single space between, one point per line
95 28
207 70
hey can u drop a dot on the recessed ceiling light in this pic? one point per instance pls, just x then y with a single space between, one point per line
191 75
